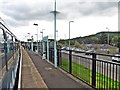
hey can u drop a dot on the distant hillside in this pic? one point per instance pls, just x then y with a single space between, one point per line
111 34
95 38
98 38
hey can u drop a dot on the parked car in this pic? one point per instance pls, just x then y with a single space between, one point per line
116 58
89 52
63 48
77 50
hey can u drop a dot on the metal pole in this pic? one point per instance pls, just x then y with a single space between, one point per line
42 42
37 38
55 50
32 43
65 40
29 39
69 33
42 33
37 35
43 48
108 41
29 35
47 50
108 35
36 41
57 37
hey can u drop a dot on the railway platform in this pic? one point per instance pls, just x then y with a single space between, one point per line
30 77
38 73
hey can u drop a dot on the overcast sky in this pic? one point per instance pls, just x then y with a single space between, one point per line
89 16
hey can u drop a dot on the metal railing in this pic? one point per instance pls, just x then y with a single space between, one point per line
97 70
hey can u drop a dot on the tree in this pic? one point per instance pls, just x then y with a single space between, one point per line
72 42
103 38
94 40
116 41
77 44
119 43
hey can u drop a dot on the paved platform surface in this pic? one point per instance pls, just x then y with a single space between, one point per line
54 78
30 77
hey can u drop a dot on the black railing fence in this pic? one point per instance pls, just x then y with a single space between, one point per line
97 70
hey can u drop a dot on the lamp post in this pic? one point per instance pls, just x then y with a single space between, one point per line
42 33
32 43
28 40
29 35
36 41
108 40
25 37
55 48
42 41
37 35
108 34
65 39
69 33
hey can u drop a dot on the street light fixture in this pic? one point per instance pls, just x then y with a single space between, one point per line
35 24
37 35
69 33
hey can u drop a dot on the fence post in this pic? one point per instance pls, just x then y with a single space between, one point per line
58 57
53 55
49 55
94 69
46 52
70 61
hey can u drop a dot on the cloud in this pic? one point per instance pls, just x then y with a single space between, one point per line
14 23
23 11
79 9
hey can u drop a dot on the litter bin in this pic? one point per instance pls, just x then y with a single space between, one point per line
43 57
